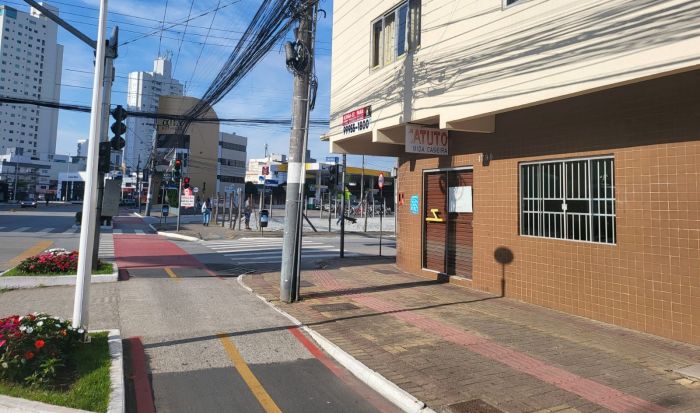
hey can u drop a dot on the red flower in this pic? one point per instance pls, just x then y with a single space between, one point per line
39 344
29 355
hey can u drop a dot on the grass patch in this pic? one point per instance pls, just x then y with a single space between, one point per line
88 391
104 268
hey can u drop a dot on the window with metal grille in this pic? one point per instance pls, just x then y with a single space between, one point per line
572 199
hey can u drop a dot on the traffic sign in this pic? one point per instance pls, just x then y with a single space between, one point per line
380 182
187 201
196 189
333 159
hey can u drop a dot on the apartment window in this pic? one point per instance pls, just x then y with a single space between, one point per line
395 33
507 3
572 199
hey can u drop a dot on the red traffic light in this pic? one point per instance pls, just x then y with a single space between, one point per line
186 182
178 162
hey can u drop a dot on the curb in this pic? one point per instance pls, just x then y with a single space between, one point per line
116 394
399 397
173 235
29 281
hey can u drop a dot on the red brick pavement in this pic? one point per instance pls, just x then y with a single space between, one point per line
446 344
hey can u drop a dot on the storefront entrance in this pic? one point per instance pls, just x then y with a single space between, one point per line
447 223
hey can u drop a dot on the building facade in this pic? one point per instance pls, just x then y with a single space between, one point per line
144 92
30 68
231 167
548 151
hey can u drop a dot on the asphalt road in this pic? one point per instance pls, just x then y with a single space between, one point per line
210 345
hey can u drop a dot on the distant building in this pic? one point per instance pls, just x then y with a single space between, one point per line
36 176
82 149
30 68
266 170
231 167
144 92
198 147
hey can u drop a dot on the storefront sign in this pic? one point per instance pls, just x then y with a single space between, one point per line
415 204
429 141
433 216
357 120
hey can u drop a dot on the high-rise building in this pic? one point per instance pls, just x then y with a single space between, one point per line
30 68
231 168
145 89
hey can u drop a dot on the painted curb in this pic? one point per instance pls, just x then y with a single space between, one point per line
116 396
401 398
177 236
55 280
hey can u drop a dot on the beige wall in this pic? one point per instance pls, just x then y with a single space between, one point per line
204 142
650 279
477 58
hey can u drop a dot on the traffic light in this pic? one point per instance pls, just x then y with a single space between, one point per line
103 159
186 182
118 128
177 169
332 174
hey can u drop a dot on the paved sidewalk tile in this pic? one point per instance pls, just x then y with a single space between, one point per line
446 344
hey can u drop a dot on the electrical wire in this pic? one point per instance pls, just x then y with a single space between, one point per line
160 40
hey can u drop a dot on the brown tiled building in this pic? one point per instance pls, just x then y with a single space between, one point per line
557 162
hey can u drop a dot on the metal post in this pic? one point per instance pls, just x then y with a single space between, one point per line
381 216
270 215
241 203
230 211
138 183
223 211
14 190
342 210
82 291
329 209
261 198
179 203
362 192
290 277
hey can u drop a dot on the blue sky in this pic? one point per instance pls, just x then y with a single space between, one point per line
265 93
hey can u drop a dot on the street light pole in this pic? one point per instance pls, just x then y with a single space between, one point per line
82 296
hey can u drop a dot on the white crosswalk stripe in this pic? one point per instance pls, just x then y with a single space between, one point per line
21 229
106 246
46 230
269 250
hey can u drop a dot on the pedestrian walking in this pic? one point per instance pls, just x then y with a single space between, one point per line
206 212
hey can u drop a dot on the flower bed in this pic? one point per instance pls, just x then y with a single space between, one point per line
55 261
43 358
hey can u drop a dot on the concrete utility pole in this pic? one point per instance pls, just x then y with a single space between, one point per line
300 60
82 296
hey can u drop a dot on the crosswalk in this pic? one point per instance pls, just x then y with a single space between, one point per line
64 230
106 246
246 251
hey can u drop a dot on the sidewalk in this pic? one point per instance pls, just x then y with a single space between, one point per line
447 345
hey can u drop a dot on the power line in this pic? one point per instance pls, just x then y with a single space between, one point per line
160 40
179 48
196 63
151 115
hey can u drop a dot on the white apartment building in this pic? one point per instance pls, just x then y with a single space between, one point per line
231 166
30 68
144 91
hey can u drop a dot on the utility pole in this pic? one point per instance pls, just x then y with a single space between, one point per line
342 210
82 296
179 196
363 201
300 60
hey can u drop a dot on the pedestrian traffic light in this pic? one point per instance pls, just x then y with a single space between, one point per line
118 128
186 182
332 172
177 169
103 159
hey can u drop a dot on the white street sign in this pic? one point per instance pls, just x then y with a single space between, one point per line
195 190
187 201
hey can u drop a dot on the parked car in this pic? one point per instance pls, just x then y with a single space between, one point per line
28 203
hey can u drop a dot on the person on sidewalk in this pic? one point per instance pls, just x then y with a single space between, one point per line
206 212
246 214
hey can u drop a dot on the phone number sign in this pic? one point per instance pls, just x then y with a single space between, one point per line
358 120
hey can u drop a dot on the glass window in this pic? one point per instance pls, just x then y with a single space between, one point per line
395 33
572 200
